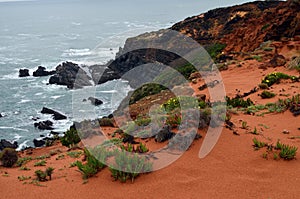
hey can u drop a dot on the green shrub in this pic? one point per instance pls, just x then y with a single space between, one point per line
8 157
288 152
40 175
263 86
129 166
257 144
257 58
267 95
144 91
49 172
275 77
215 49
74 154
70 138
23 178
238 102
40 163
23 161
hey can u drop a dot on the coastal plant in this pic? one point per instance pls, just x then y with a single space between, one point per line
288 152
255 132
258 144
239 102
73 164
49 172
142 148
215 49
60 157
70 138
8 157
74 154
23 178
257 58
267 95
129 166
24 168
40 163
42 157
275 77
40 175
244 125
263 86
23 161
92 166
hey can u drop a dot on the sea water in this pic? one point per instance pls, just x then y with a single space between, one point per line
49 32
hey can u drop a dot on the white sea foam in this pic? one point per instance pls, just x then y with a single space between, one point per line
24 101
55 97
23 145
76 52
14 128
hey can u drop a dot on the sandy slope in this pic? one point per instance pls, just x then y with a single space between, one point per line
232 170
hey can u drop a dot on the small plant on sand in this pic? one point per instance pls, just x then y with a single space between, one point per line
24 168
71 138
263 86
40 163
267 95
93 165
275 77
42 175
238 102
74 164
60 157
254 132
258 144
244 125
74 154
275 156
8 157
257 58
49 172
23 161
23 178
288 152
129 166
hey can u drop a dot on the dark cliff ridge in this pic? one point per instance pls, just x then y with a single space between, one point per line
242 28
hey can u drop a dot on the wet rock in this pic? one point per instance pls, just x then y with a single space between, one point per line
41 72
24 73
44 125
7 144
38 143
164 134
70 75
56 115
95 101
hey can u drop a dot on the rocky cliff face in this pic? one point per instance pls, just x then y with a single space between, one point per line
244 27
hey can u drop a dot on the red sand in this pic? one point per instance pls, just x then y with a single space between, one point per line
232 170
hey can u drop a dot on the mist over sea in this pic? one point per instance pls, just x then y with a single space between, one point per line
48 32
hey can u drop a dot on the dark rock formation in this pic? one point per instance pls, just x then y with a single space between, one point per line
38 143
44 125
6 144
24 73
95 101
70 75
41 71
164 134
56 115
1 115
277 60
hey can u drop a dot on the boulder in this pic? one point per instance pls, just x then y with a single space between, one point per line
164 134
44 125
70 75
41 71
38 143
56 115
6 144
95 101
24 73
1 115
277 60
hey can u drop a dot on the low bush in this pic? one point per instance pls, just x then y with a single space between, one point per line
239 102
70 138
129 166
267 95
8 157
275 77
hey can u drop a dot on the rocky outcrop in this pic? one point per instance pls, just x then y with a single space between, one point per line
24 73
6 144
244 27
56 115
95 101
70 75
44 125
164 134
41 71
38 143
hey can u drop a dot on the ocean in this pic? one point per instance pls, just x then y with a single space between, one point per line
49 32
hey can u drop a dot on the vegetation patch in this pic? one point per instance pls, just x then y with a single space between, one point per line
8 157
70 138
275 77
267 95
